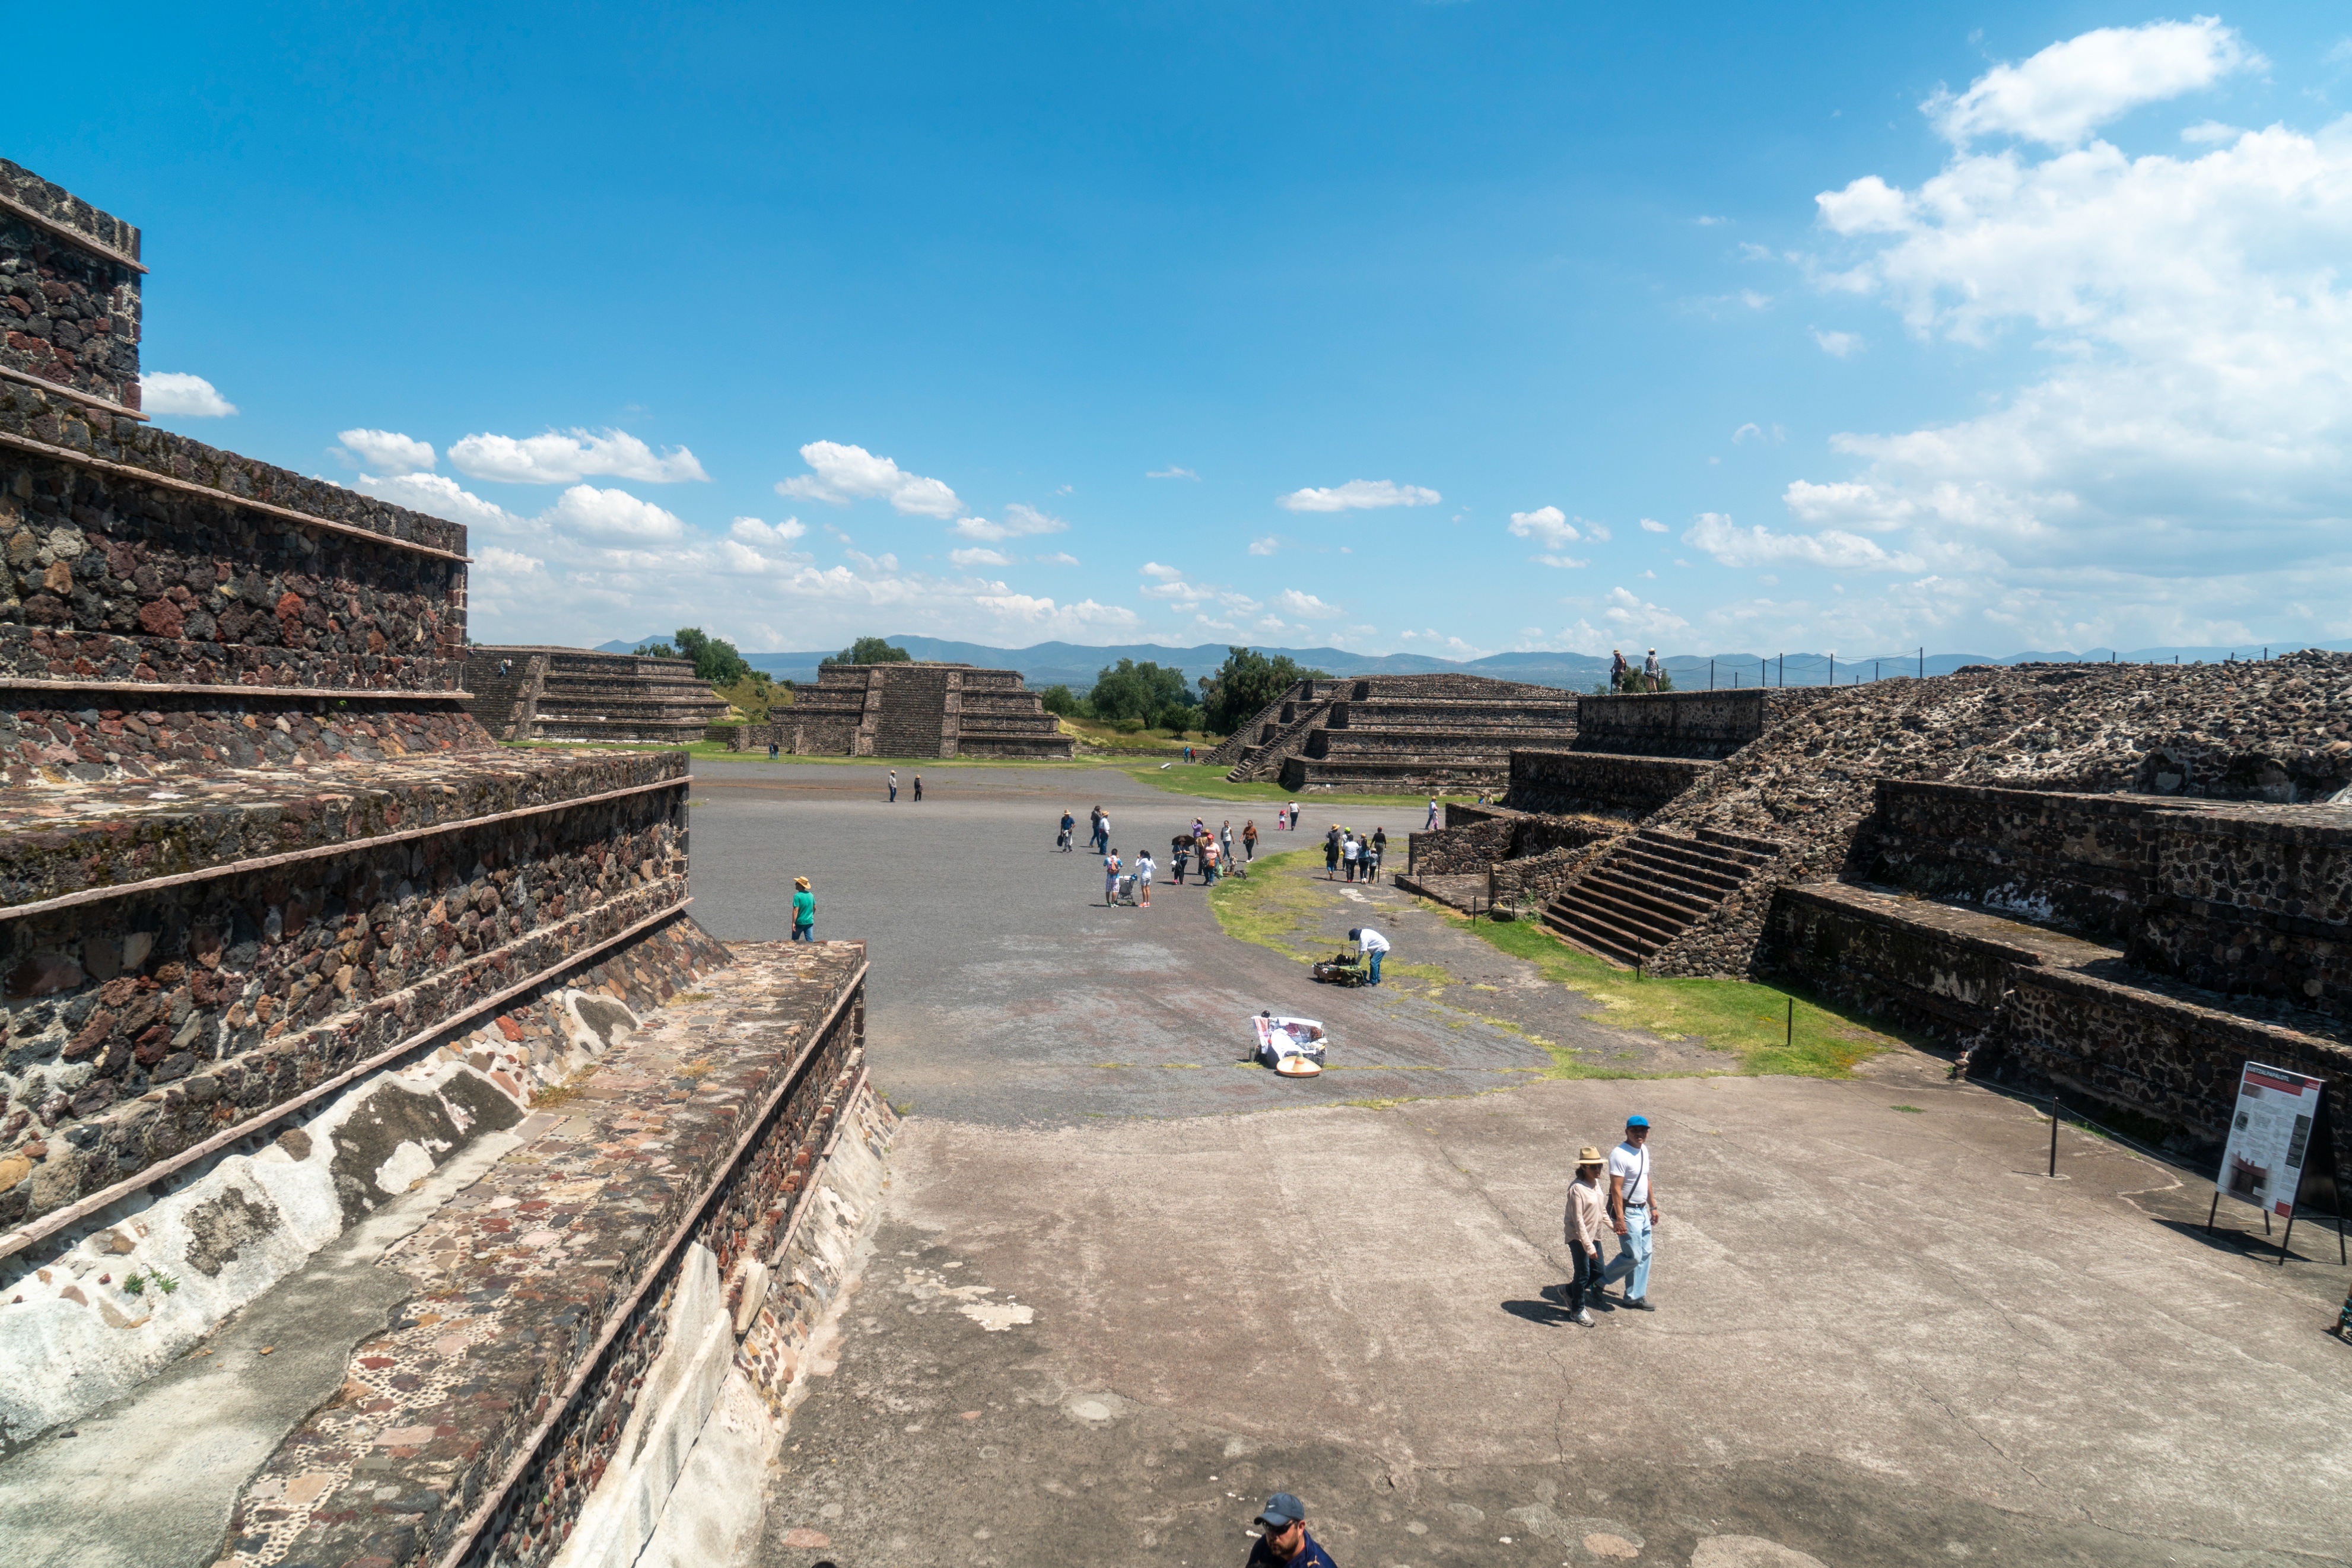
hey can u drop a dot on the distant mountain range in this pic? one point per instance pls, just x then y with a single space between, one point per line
1076 666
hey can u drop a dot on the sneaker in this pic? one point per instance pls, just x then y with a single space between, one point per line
1640 1304
1582 1316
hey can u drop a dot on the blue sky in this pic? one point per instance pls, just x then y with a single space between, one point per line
1450 328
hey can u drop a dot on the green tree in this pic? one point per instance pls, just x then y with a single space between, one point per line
1245 683
1157 697
753 695
1065 703
714 658
869 650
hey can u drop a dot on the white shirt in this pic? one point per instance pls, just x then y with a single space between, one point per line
1372 940
1144 868
1633 1164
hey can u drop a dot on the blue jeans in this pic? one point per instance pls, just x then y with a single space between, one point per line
1632 1263
804 933
1376 966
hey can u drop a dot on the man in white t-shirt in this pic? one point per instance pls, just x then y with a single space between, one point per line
1375 946
1632 1213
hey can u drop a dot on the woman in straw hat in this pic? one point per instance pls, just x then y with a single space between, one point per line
804 911
1583 1226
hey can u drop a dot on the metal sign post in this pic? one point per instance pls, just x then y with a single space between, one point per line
2280 1152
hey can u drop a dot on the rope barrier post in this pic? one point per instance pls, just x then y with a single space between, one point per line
2054 1135
1791 1042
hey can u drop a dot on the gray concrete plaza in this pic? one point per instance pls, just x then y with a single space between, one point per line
1126 1287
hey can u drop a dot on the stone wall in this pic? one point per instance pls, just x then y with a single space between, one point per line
1684 724
111 576
585 695
142 1020
68 291
2050 1011
1584 781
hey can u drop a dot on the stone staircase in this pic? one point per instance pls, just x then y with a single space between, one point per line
1650 888
912 720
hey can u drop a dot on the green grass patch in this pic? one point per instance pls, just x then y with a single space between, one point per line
1268 909
1748 1020
1208 782
1914 1110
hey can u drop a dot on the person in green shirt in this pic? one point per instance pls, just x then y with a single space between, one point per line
804 911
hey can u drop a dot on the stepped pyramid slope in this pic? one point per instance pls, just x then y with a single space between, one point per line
575 694
1443 732
912 710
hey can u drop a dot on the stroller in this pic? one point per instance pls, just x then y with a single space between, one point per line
1348 966
1126 889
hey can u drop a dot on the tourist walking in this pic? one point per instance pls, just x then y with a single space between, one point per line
1249 840
1375 946
1069 826
1210 862
1617 669
1286 1543
1111 867
1369 854
894 786
1226 841
1651 671
1331 853
1433 815
1179 849
804 911
1632 1212
773 747
1581 1228
1379 850
1143 870
1352 849
918 786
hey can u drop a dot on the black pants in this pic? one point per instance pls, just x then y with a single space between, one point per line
1587 1278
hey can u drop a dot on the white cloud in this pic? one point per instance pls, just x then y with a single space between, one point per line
2061 95
507 562
386 452
980 555
1172 473
438 496
1305 606
839 475
1059 558
1359 495
1709 222
1733 546
2179 452
2206 132
1443 645
1169 584
1837 345
1266 545
1548 525
1631 615
612 515
753 531
1652 526
561 458
1019 521
190 397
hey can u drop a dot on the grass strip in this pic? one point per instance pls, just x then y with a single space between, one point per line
1748 1018
1267 909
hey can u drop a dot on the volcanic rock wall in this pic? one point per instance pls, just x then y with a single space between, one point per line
68 293
912 709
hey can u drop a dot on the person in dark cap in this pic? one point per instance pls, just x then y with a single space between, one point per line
1632 1212
1286 1543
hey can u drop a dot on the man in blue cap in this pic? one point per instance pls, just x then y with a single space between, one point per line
1286 1543
1633 1211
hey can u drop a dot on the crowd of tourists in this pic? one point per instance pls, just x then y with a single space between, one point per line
1345 850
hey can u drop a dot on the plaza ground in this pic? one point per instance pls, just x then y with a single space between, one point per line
1127 1285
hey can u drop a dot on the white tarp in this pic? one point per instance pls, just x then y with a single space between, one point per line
2269 1137
1278 1038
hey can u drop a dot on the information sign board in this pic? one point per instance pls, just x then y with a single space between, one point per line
2270 1138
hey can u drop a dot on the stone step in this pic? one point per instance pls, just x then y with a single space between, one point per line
1700 882
1608 906
1667 903
1594 937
